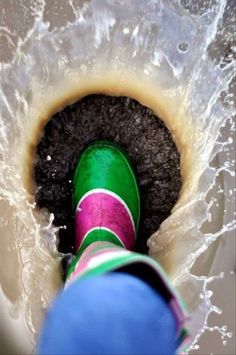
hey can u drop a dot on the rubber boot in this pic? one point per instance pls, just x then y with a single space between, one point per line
106 201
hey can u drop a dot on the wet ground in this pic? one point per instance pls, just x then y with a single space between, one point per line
137 130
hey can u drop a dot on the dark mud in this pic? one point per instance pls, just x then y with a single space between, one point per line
137 130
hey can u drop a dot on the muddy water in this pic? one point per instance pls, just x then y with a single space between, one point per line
143 92
132 126
166 56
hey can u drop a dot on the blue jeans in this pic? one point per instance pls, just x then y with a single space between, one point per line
112 314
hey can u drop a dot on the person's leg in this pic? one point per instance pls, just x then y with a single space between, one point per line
123 297
114 313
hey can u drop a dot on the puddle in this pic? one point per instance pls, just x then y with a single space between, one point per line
174 58
132 126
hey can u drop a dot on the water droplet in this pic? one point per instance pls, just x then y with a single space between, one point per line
126 30
224 342
183 47
49 157
209 293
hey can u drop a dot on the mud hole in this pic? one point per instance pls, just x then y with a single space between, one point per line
137 130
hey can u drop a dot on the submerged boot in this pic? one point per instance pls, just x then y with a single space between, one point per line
106 201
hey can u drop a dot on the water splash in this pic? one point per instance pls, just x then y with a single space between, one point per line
175 57
206 297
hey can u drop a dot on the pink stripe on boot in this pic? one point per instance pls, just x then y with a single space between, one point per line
103 210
